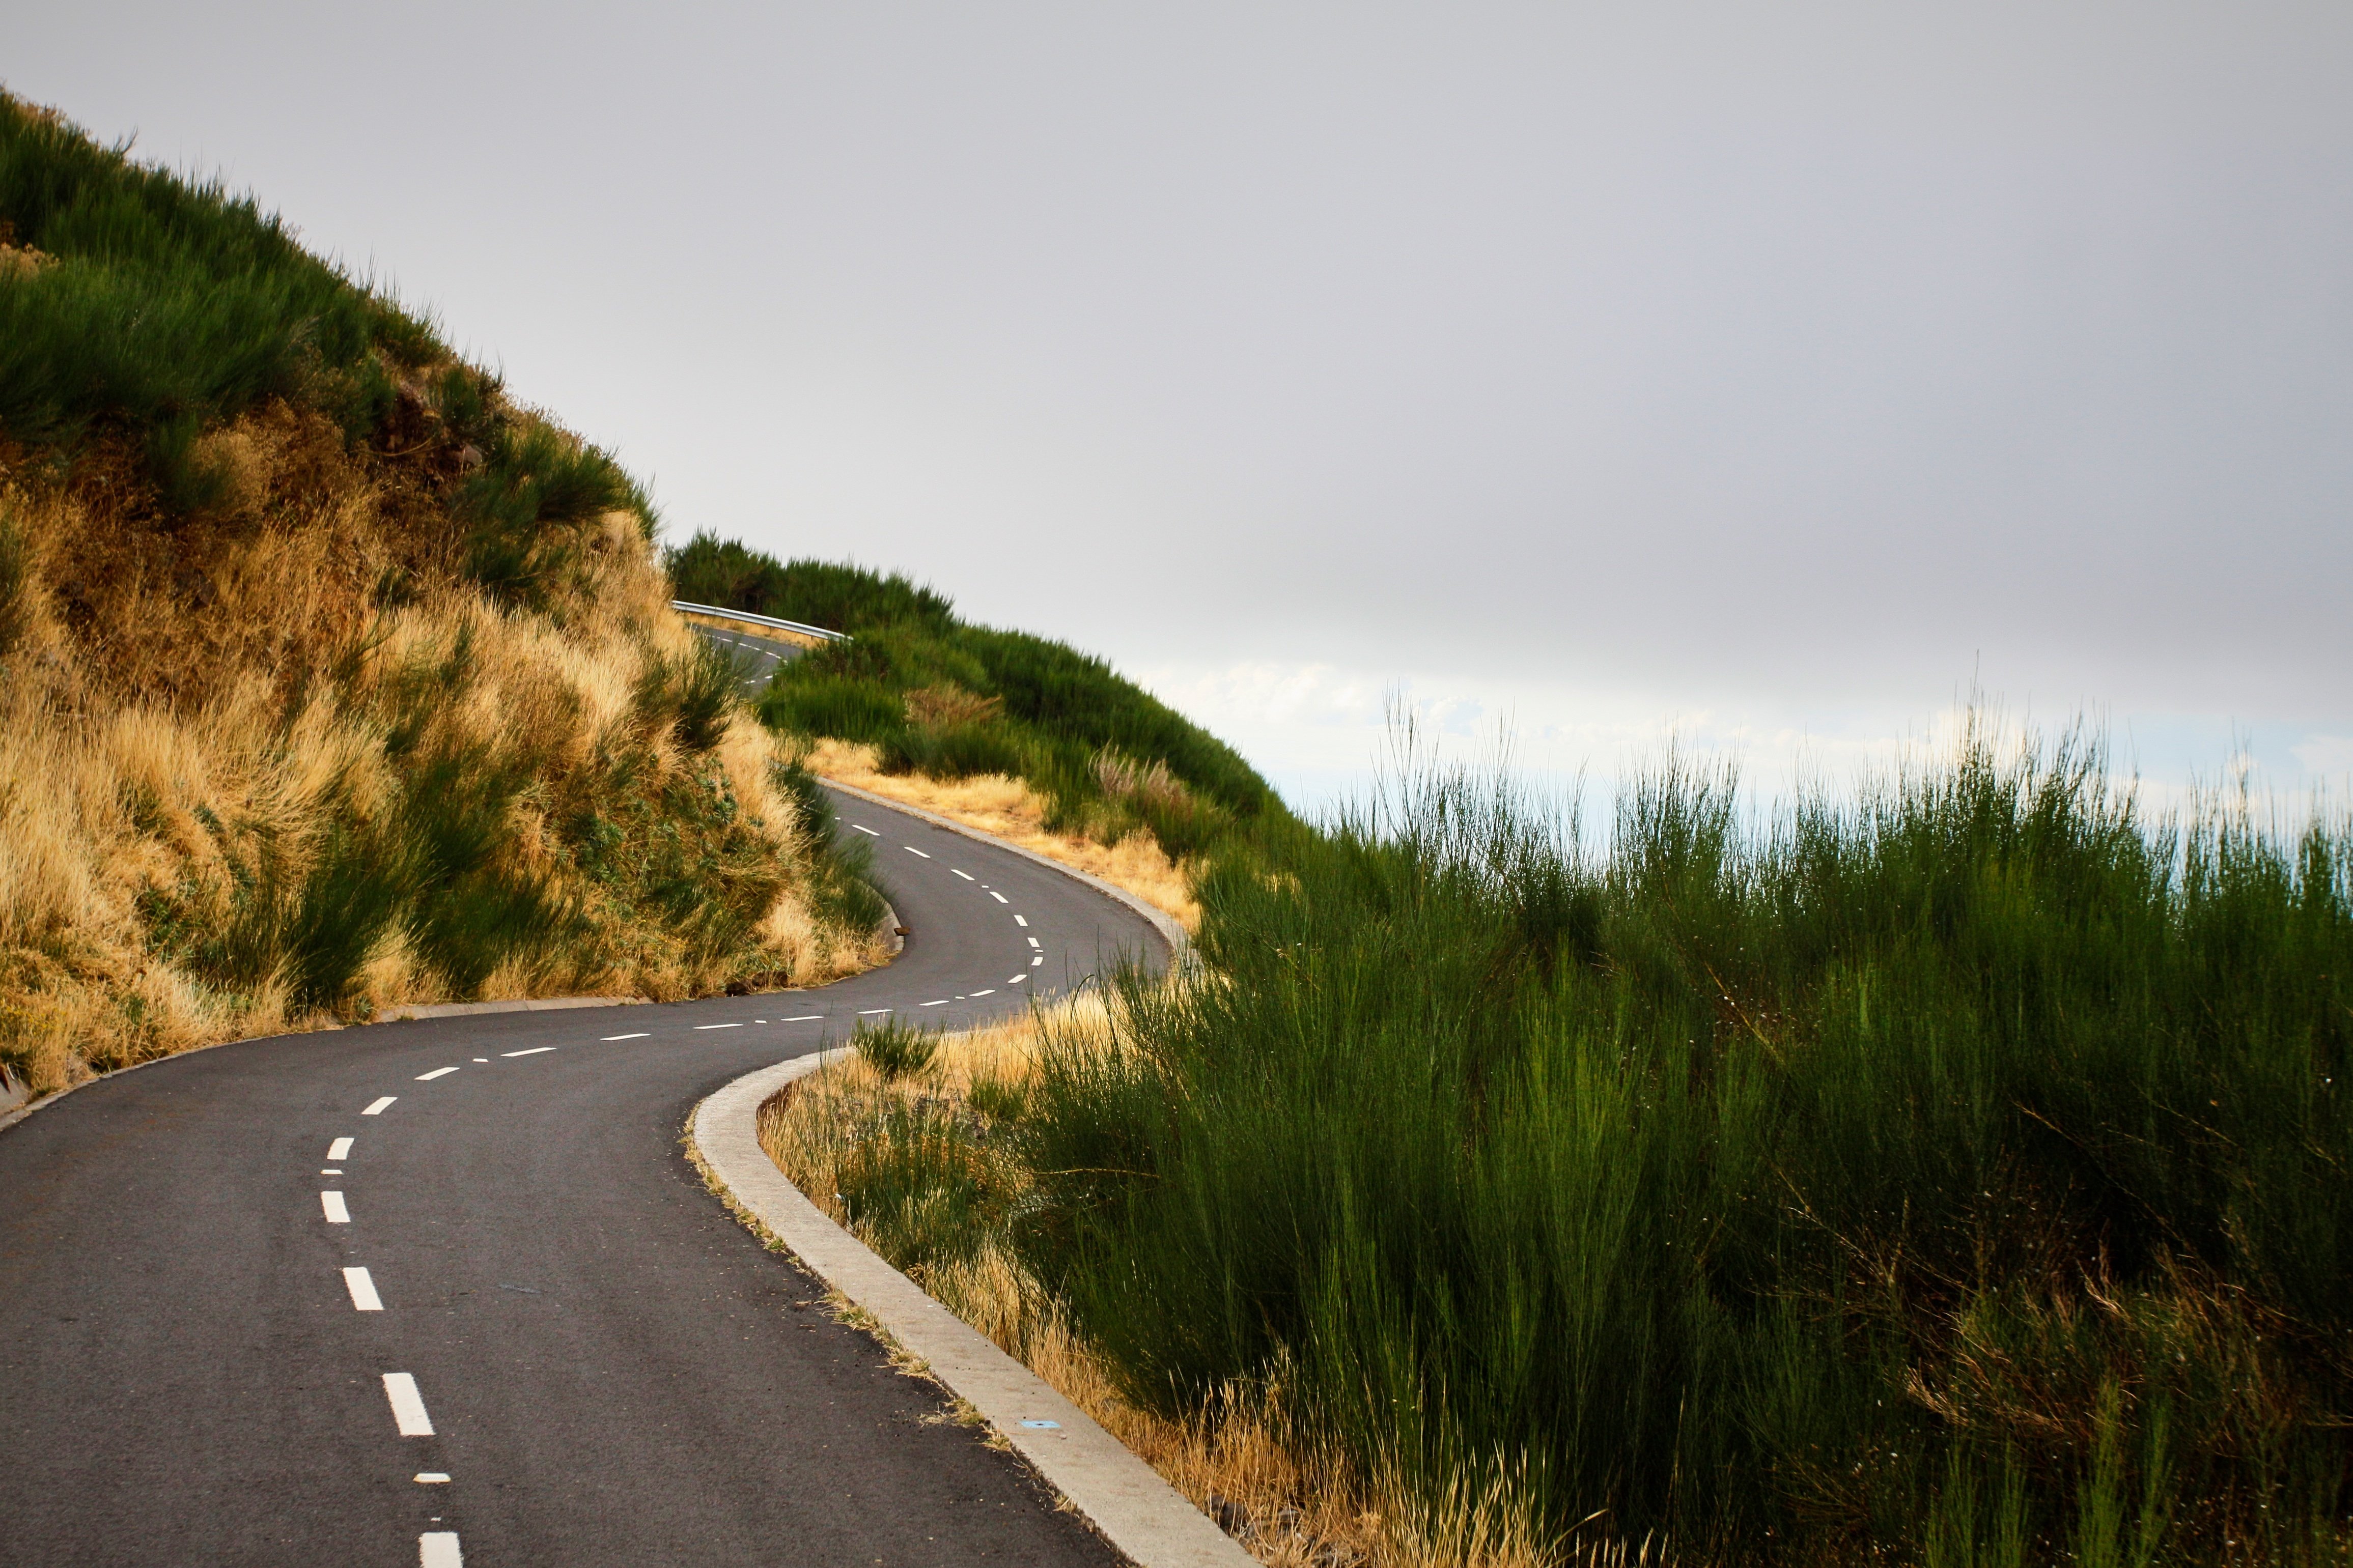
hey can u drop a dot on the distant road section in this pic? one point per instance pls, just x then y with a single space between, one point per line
757 644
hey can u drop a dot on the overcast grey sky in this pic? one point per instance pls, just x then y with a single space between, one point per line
1771 372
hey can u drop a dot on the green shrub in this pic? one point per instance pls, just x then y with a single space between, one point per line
843 706
1954 1174
918 1187
165 305
951 751
893 1049
711 570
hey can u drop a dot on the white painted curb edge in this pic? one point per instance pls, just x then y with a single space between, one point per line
1160 919
1145 1518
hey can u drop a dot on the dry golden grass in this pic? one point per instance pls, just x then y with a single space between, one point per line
1292 1501
171 690
1009 809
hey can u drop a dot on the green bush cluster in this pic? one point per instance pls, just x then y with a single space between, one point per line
1958 1175
147 310
940 696
159 307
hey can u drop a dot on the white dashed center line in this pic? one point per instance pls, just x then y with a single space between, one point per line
437 1072
965 875
1033 941
866 830
1016 980
719 1026
941 1003
363 1290
334 1203
532 1052
408 1405
377 1109
870 1012
804 1018
483 1059
341 1149
438 1548
913 850
330 1170
1000 897
1021 920
432 1478
1036 961
991 991
609 1039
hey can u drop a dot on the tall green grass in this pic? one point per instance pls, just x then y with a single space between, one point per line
1958 1174
153 308
937 696
165 305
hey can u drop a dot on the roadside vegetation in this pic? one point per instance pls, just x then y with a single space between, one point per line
1952 1172
330 677
929 696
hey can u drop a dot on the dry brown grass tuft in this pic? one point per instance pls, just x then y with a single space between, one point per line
1293 1502
190 703
1009 809
948 704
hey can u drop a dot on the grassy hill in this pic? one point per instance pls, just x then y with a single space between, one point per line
936 695
330 677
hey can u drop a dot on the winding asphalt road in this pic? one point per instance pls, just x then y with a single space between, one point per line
448 1290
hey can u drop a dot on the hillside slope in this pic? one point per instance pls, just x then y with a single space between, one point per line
935 696
329 678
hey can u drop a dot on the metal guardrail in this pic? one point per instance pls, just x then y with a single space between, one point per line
751 619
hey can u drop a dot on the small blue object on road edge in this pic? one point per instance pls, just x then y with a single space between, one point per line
1044 1425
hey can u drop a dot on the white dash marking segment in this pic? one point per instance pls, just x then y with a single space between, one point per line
965 875
1033 941
438 1548
1036 961
870 1012
1022 920
1000 897
334 1203
719 1026
608 1040
1016 980
363 1290
377 1109
913 850
991 991
532 1052
408 1405
437 1072
941 1003
432 1478
866 830
341 1149
804 1018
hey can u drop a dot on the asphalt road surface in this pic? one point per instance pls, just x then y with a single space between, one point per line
443 1290
755 658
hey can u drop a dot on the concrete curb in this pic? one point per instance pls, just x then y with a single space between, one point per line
1179 944
1145 1518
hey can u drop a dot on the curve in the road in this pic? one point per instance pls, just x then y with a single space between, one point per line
449 1290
